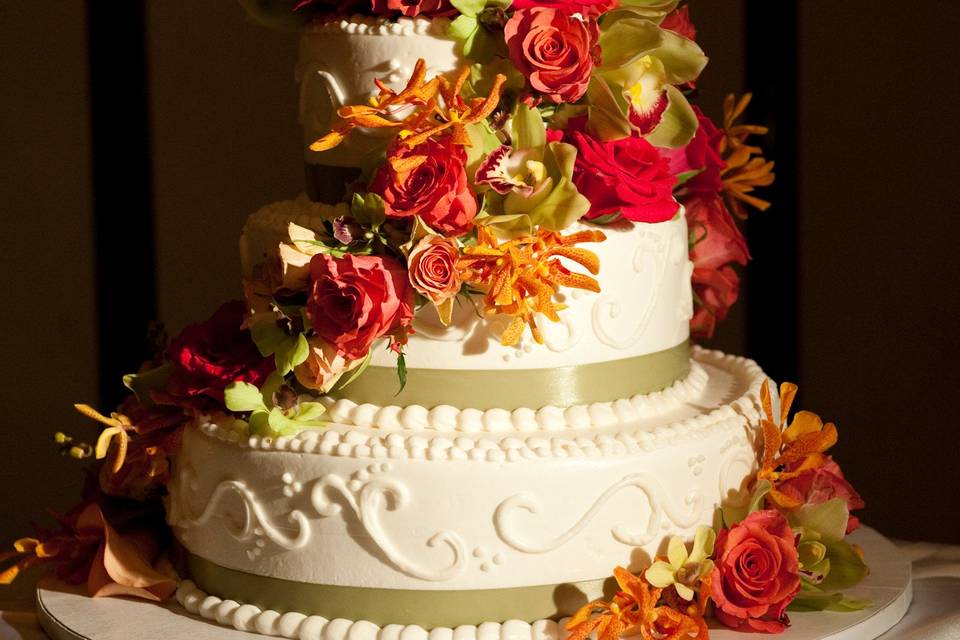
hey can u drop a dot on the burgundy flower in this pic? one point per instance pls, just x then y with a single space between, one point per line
701 154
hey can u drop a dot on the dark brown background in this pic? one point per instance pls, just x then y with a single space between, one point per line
853 292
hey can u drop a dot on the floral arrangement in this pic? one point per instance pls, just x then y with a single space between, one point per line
783 548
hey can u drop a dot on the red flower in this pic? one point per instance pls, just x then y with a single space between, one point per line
717 243
822 484
627 177
701 154
757 573
679 22
354 300
554 49
209 355
434 187
583 7
412 8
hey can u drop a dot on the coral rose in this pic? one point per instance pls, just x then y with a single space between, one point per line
554 49
717 243
436 189
628 177
757 573
701 154
355 300
584 7
323 367
824 483
412 8
209 355
432 265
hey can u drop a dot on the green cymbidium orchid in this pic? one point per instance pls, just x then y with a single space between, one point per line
681 569
274 410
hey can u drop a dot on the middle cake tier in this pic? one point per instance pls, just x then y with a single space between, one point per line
374 522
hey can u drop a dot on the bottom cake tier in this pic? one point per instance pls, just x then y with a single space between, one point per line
459 525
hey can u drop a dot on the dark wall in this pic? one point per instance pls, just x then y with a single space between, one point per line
876 217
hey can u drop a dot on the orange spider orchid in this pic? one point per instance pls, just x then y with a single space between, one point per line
634 609
746 169
434 106
117 426
520 277
789 452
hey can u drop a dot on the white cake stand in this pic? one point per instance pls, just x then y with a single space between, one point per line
68 614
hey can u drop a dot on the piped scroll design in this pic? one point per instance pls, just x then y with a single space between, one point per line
504 520
255 522
367 499
607 308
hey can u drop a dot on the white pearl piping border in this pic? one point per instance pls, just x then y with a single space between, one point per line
297 626
373 26
512 446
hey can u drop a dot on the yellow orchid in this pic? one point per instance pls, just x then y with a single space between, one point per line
682 569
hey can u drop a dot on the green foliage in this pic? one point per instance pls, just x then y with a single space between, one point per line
266 419
144 383
288 350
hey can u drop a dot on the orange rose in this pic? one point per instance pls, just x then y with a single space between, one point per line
324 367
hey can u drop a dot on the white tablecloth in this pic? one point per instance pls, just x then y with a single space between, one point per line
934 614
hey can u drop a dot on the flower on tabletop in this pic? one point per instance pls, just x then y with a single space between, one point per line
555 50
209 355
681 569
679 22
356 300
626 177
432 268
429 181
323 367
790 451
757 573
520 277
716 244
817 486
634 609
88 549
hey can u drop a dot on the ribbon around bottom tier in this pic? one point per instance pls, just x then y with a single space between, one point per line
511 389
428 609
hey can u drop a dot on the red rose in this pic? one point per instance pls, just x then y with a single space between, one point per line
717 243
354 300
627 177
584 7
209 355
436 189
757 573
412 8
822 484
679 22
700 154
554 49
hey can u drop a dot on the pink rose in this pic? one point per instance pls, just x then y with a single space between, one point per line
757 573
554 49
822 484
355 300
628 177
584 7
436 189
432 265
412 8
717 243
323 367
700 154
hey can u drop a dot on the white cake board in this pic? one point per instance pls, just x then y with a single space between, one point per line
68 614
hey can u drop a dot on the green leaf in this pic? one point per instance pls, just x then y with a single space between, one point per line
269 337
678 124
625 40
846 567
143 383
242 397
356 373
529 132
367 210
401 372
810 600
685 176
293 354
610 218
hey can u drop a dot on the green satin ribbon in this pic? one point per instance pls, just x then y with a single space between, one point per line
515 388
427 609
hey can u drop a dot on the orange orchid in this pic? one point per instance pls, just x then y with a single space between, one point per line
634 609
792 450
431 107
521 276
117 426
746 169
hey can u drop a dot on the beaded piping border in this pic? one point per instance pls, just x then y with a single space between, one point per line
373 26
297 626
512 445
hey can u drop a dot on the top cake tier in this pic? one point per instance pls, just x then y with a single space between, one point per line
340 62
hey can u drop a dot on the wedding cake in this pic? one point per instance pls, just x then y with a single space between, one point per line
460 388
